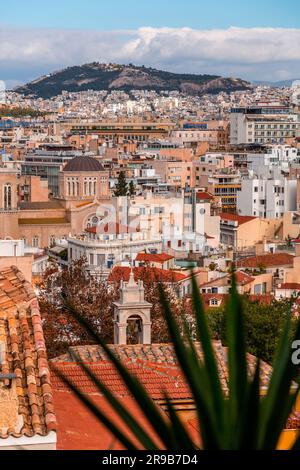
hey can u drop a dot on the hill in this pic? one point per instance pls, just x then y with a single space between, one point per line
96 76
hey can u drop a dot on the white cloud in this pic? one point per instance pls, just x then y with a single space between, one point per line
256 53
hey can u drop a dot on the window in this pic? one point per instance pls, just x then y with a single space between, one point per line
7 197
52 240
35 242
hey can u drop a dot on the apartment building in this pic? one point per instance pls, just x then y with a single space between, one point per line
225 186
207 165
267 198
262 125
174 173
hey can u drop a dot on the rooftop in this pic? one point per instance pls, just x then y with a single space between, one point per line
154 257
240 219
122 273
29 398
83 163
268 260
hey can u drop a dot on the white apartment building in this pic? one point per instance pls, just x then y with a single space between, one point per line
262 125
183 220
267 198
277 156
104 251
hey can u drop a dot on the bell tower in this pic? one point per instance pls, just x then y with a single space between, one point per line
132 317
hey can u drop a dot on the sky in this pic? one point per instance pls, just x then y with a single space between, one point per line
257 40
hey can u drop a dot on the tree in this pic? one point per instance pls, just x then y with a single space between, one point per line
92 297
263 325
121 186
131 190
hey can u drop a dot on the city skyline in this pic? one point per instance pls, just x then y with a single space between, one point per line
224 39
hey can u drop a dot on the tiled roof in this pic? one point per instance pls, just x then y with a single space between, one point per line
160 355
243 278
83 163
154 258
222 298
122 273
155 379
24 356
267 260
207 298
240 219
289 285
204 196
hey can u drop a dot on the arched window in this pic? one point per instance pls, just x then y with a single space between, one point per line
69 188
134 330
90 188
35 241
52 240
7 197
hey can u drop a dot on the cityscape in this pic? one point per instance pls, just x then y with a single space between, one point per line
143 197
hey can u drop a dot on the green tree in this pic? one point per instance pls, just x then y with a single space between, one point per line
263 325
122 186
131 190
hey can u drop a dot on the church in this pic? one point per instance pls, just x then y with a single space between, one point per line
39 221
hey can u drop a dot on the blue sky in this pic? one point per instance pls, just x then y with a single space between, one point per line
255 40
131 14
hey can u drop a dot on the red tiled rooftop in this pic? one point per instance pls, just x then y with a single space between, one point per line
25 357
289 286
156 378
240 219
204 196
267 260
122 273
154 258
243 278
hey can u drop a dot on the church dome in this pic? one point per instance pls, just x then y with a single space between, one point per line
83 163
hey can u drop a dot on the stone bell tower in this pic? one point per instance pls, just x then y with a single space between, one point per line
132 310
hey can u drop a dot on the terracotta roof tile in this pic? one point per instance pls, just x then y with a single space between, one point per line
120 273
150 358
289 286
154 257
240 219
267 260
25 357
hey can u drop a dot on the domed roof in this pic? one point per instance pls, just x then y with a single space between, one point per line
83 163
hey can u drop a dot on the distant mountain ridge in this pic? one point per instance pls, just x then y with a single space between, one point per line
97 76
281 84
